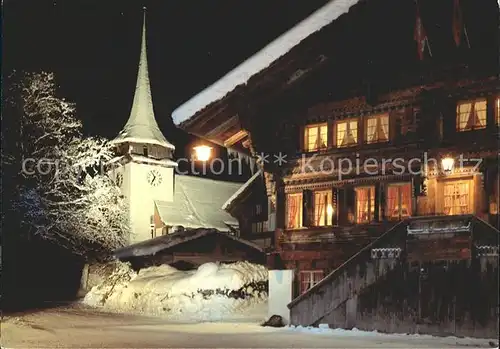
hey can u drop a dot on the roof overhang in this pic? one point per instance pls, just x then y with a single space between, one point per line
213 113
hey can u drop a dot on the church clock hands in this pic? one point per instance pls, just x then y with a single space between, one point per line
154 178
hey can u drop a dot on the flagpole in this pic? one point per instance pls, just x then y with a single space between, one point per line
466 36
428 46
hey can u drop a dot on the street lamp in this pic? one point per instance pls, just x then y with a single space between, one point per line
203 152
448 163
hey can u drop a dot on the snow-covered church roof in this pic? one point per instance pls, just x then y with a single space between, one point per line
141 126
198 203
262 59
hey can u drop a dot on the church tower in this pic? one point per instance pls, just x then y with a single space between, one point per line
143 167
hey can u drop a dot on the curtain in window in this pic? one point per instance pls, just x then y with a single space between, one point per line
341 134
362 196
383 132
320 202
322 136
456 198
464 112
463 198
293 202
449 191
480 113
305 281
393 201
351 133
312 138
371 130
406 200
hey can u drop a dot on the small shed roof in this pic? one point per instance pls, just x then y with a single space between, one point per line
152 246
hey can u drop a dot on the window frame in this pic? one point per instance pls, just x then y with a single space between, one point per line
336 136
399 200
305 136
470 101
470 194
312 280
378 117
371 211
329 201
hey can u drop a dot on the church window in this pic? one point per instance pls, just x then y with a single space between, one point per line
377 129
347 133
471 115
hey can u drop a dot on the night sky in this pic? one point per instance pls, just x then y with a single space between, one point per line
93 48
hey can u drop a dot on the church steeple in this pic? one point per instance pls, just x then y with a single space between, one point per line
141 126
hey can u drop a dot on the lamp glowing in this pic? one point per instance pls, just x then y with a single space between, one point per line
448 164
329 210
203 152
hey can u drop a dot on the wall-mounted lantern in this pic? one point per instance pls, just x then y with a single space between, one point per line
447 163
203 152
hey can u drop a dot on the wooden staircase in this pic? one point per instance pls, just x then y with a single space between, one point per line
351 278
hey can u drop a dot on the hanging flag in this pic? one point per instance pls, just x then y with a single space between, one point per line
420 35
458 26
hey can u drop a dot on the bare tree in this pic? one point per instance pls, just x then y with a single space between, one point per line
63 191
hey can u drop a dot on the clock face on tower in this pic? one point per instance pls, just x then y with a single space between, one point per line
154 178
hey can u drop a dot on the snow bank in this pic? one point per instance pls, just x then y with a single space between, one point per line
324 329
212 292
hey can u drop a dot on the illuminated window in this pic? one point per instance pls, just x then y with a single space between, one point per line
377 129
471 115
365 204
456 197
315 137
259 227
294 211
398 201
322 199
309 278
497 110
347 133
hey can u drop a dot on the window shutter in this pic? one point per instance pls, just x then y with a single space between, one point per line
350 202
302 137
376 201
335 206
307 208
382 199
341 206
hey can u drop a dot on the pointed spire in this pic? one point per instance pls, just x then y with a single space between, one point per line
141 126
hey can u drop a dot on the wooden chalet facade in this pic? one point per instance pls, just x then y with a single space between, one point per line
387 204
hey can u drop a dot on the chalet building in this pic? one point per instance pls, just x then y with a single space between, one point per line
380 162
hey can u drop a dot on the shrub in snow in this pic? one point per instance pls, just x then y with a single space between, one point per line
208 293
274 321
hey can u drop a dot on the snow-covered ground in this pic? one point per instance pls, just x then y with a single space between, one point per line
213 292
88 328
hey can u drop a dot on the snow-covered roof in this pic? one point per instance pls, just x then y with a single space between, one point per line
152 246
198 203
141 126
262 59
241 190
